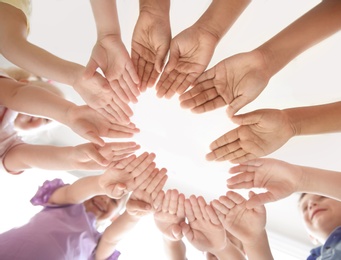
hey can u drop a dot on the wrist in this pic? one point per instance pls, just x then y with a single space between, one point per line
155 7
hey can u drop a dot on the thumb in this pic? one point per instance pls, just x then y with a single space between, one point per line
160 58
257 200
90 69
177 232
94 138
245 119
173 59
235 106
97 157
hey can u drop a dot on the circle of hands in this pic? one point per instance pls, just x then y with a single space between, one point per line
234 82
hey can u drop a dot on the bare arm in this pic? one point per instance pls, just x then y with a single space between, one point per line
77 192
316 25
221 15
315 119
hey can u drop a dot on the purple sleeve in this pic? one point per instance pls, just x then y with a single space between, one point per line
114 256
44 192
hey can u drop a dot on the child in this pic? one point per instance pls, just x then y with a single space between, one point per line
95 91
28 98
65 228
281 179
322 219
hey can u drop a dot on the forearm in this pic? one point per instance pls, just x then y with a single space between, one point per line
27 156
319 181
230 251
106 17
115 233
40 62
221 15
316 25
315 119
34 100
174 250
79 191
260 249
155 7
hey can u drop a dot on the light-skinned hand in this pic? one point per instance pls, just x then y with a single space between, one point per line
190 53
259 133
234 81
279 178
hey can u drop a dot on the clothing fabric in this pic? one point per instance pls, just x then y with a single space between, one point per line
25 6
56 233
331 250
8 135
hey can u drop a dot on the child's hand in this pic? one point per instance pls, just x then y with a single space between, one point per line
110 54
170 214
149 47
149 191
202 232
98 94
90 124
235 81
279 178
245 224
127 175
93 157
260 133
190 53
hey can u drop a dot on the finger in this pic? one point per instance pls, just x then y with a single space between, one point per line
235 155
189 211
166 201
200 99
165 83
119 91
200 85
219 207
109 114
126 161
94 138
187 231
153 78
95 155
195 207
173 202
241 159
139 205
147 73
147 182
157 184
157 202
211 105
117 190
160 57
124 83
134 77
138 180
184 85
181 206
259 200
123 147
212 215
135 57
236 105
90 69
227 202
137 161
137 167
120 116
225 139
202 204
223 151
235 197
177 79
141 65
